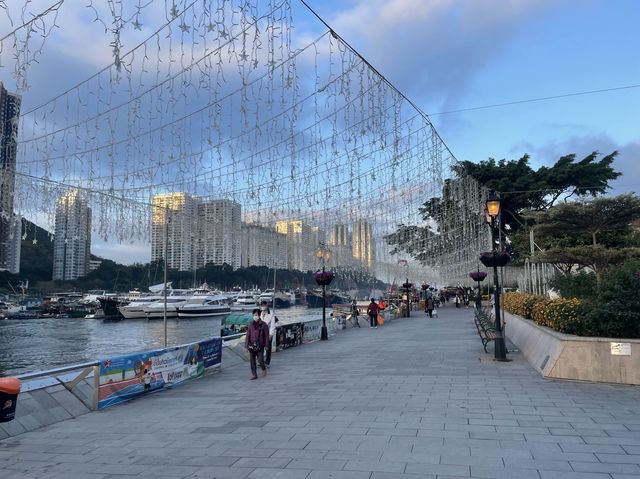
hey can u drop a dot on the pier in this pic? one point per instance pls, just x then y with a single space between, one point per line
416 398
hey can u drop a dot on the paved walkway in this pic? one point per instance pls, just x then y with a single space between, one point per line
416 398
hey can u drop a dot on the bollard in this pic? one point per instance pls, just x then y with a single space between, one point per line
9 390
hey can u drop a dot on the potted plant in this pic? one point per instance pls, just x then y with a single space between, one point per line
323 278
478 275
489 259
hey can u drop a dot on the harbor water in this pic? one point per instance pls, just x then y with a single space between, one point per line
39 344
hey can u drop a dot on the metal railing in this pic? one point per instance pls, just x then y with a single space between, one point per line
87 369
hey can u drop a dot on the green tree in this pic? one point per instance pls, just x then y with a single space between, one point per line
521 189
593 234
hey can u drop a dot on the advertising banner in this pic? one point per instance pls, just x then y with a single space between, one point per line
312 330
289 335
125 377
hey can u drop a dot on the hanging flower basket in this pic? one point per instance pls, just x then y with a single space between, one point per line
407 285
323 278
478 275
425 286
489 260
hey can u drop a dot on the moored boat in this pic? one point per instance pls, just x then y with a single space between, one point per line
204 306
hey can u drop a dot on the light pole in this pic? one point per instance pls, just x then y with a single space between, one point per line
493 212
324 278
407 289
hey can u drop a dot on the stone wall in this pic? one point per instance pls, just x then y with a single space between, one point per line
563 356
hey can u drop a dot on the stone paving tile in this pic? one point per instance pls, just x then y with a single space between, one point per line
400 409
221 472
279 474
339 475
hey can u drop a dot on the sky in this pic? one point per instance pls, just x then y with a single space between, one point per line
449 55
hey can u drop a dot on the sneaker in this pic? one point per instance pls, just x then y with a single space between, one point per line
264 373
253 377
375 327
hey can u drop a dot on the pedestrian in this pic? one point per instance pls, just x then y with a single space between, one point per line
430 305
372 309
355 313
267 316
255 341
457 300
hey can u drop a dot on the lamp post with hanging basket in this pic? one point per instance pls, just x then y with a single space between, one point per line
323 278
494 259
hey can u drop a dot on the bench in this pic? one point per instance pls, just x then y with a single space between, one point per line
486 328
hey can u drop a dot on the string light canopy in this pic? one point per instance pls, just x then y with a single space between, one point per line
219 99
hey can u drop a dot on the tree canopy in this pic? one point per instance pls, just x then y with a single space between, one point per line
593 234
521 188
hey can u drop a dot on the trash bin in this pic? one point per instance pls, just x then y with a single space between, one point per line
9 390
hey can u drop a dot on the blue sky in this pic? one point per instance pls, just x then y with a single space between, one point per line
447 55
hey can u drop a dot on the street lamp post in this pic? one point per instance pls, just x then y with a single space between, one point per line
493 212
323 279
407 289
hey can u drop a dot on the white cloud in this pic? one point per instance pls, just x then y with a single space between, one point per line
413 42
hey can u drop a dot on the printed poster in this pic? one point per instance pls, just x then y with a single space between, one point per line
125 377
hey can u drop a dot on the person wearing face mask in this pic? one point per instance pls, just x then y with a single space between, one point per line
255 342
267 316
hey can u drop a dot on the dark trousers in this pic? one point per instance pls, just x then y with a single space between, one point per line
430 311
374 319
259 355
267 356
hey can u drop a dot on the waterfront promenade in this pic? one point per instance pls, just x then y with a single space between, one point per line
416 398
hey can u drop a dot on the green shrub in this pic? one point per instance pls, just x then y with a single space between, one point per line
565 315
615 309
521 304
581 285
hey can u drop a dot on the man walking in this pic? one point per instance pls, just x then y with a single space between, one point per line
267 316
372 309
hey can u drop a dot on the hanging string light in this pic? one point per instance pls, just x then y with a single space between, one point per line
219 99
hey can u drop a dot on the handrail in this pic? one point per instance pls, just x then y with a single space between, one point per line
232 336
56 371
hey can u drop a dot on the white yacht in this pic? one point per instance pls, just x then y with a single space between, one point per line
247 299
135 308
267 296
155 310
204 306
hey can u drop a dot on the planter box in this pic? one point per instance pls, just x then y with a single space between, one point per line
563 356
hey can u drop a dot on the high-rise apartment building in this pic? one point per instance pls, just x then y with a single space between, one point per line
174 223
363 243
196 231
10 224
340 245
72 243
263 246
302 243
219 238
